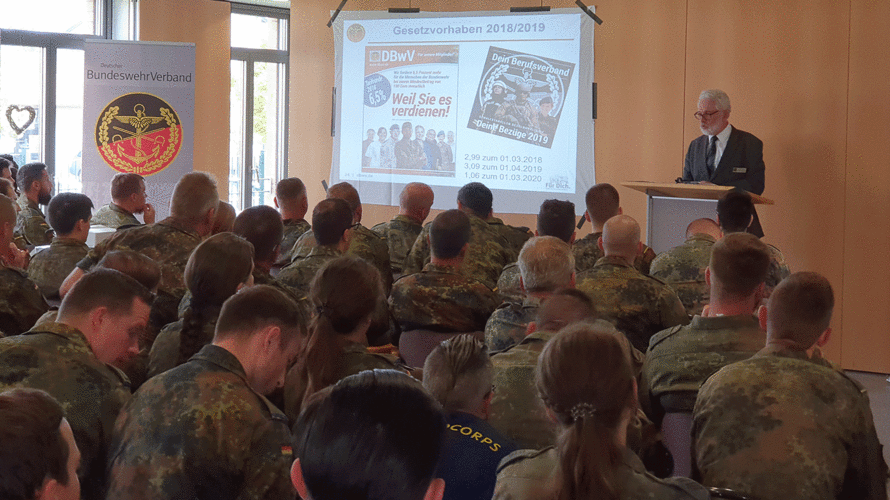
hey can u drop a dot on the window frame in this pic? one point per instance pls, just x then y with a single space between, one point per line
250 57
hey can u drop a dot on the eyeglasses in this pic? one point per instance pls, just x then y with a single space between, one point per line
699 115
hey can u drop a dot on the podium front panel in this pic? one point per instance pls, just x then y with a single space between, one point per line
668 218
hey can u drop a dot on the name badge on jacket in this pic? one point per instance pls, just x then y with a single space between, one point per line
739 170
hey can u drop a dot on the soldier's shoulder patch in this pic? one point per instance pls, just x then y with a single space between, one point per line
520 455
275 414
664 334
859 387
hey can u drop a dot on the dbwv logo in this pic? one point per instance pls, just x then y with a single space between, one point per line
391 56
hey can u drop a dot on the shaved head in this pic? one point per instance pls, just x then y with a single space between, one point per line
602 202
703 226
621 237
415 196
346 192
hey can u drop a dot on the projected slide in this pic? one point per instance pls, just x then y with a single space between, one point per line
450 100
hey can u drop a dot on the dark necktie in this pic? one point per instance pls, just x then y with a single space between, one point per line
711 155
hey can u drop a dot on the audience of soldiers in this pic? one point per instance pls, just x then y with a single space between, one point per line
209 355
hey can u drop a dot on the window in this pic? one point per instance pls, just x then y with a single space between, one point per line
258 132
41 78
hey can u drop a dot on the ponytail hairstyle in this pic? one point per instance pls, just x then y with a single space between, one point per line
344 292
213 272
584 377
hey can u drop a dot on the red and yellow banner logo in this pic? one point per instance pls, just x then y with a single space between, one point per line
138 133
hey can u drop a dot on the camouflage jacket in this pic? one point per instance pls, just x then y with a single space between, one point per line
168 242
509 285
298 275
114 217
516 410
165 349
532 474
21 303
400 234
515 236
638 305
365 244
200 431
30 224
440 299
49 268
58 359
681 358
293 229
486 256
587 252
509 322
779 425
356 358
683 268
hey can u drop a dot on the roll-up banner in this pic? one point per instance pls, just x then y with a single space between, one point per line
138 116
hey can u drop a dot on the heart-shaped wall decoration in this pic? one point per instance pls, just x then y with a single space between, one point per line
24 109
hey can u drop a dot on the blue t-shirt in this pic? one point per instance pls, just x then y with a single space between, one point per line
470 459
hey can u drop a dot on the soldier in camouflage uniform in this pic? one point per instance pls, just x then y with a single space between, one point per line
69 215
515 236
332 223
638 305
401 232
440 298
291 199
488 251
679 359
217 436
546 265
73 360
683 267
21 303
31 228
127 198
555 218
364 243
603 204
169 242
582 374
735 214
784 424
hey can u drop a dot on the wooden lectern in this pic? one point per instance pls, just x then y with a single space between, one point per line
671 207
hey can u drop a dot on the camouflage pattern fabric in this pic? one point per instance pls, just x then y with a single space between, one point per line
30 224
515 236
683 268
587 252
293 229
114 217
298 275
409 154
778 269
780 426
168 243
486 256
533 474
215 437
681 358
58 359
638 305
509 286
440 299
509 322
400 234
356 358
21 303
165 349
364 243
49 268
516 410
